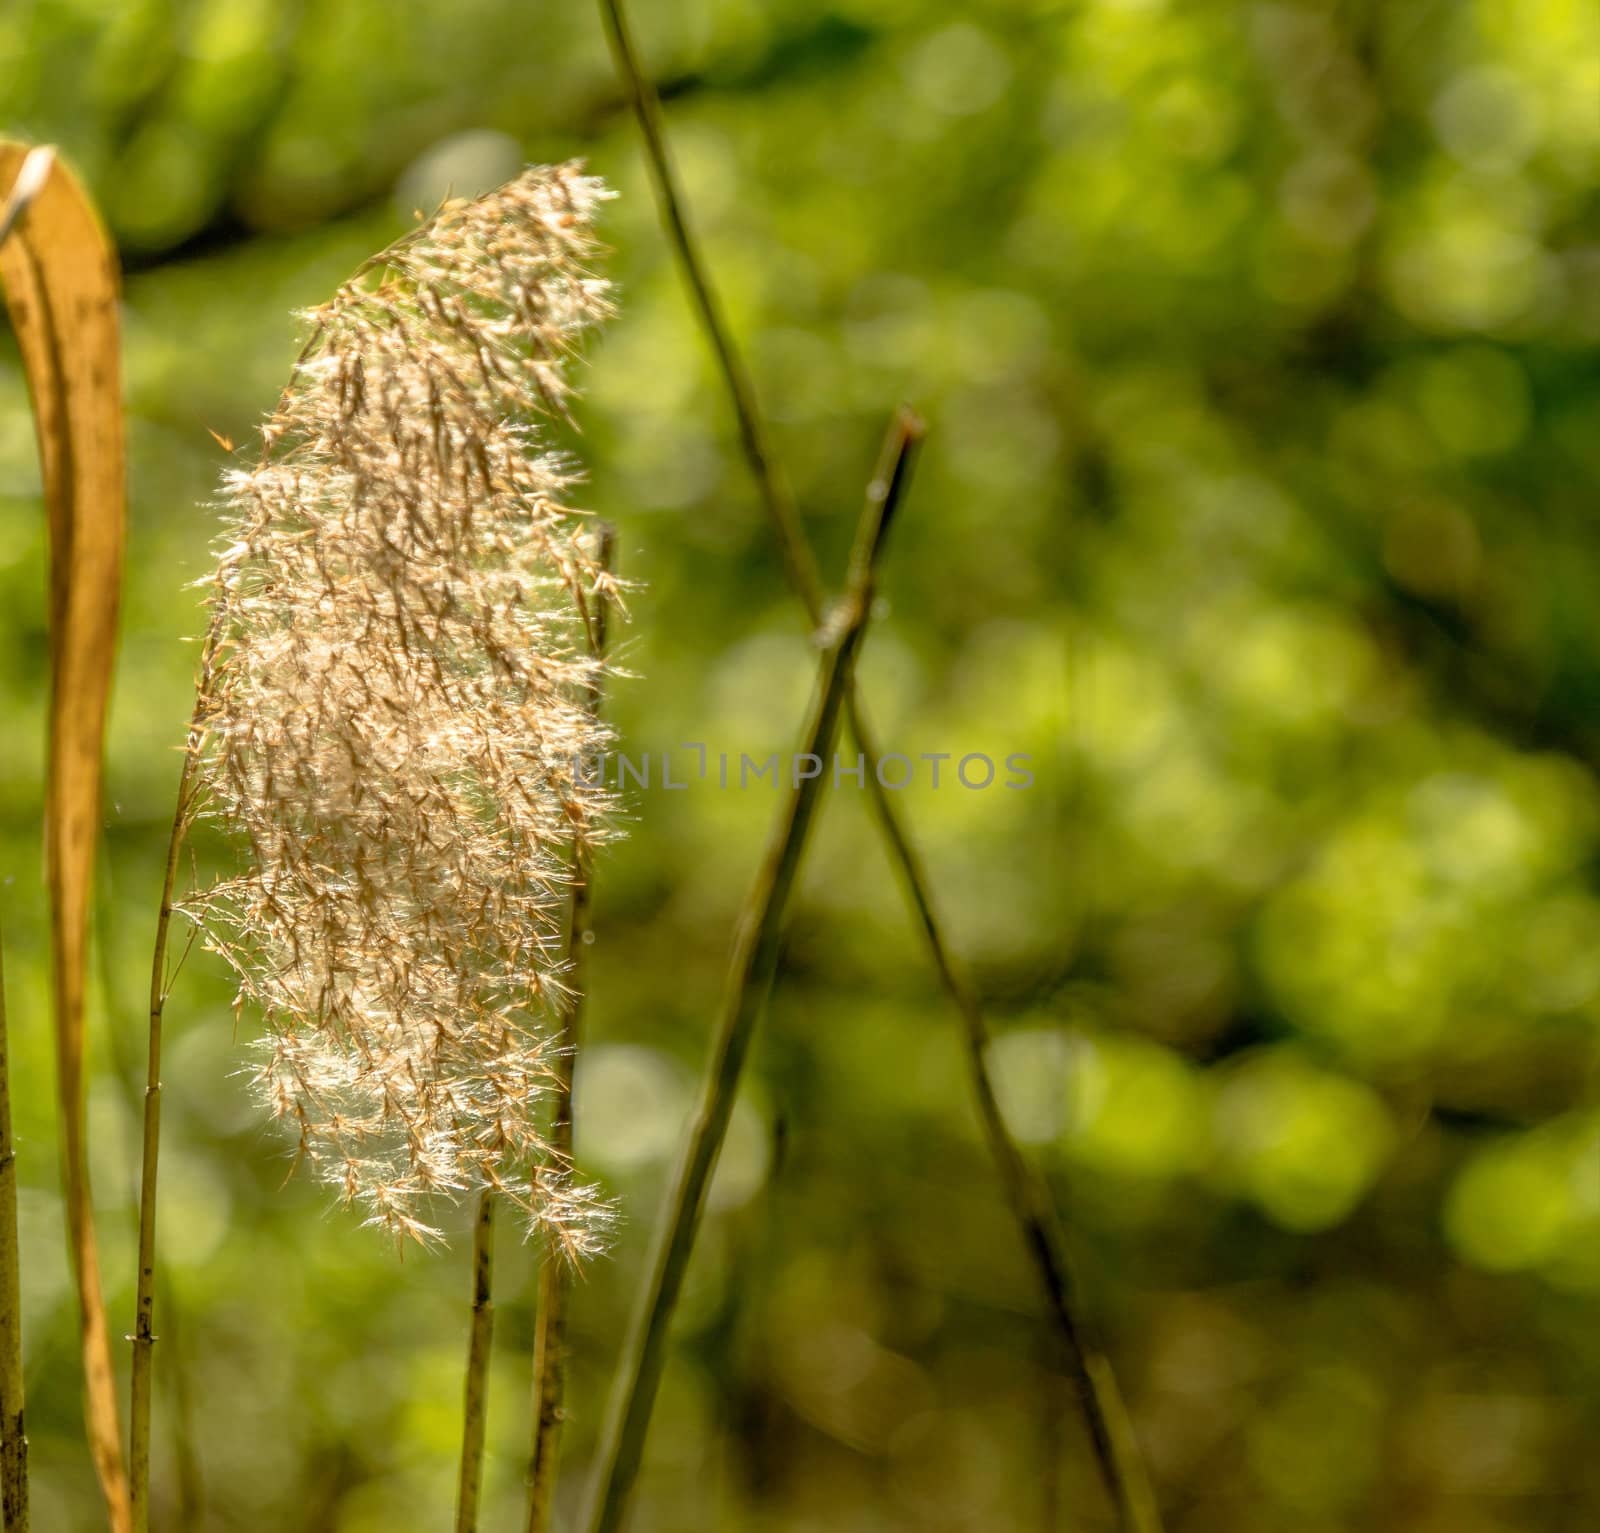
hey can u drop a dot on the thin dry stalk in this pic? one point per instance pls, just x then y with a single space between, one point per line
144 1337
1032 1206
550 1327
755 962
13 1439
469 1488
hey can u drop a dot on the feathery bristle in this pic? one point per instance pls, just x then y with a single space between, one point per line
395 705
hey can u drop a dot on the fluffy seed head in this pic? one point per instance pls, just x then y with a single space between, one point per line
398 686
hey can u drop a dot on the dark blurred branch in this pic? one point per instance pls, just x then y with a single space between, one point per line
1026 1191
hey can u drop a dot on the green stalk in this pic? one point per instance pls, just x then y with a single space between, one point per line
476 1402
13 1438
550 1326
1029 1198
755 962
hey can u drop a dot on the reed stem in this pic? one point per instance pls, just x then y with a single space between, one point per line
755 962
144 1337
550 1326
13 1437
476 1402
776 497
1031 1205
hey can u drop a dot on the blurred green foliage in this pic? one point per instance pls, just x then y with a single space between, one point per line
1257 342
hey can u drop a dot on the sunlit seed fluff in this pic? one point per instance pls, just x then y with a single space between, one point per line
395 707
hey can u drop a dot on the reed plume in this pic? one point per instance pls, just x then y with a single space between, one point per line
393 718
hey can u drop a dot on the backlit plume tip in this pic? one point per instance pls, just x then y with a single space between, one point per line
396 710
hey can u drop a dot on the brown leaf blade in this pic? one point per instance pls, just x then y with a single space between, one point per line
61 288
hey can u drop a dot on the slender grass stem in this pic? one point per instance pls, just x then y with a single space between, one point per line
776 497
475 1414
1028 1196
13 1437
188 1509
550 1326
144 1338
755 962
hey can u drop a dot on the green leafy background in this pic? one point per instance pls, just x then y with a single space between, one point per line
1257 343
